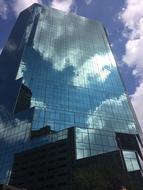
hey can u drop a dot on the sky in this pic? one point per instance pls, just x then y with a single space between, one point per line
123 20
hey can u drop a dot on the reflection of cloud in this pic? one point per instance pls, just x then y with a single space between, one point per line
65 46
90 142
10 127
116 108
38 103
67 43
59 49
21 70
4 117
15 138
13 134
96 66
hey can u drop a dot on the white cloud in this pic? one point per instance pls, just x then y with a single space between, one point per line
3 9
137 99
132 18
19 5
63 5
16 6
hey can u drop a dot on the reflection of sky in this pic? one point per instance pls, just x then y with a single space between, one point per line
72 74
90 142
95 67
90 56
111 110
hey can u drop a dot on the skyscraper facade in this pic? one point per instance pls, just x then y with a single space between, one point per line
58 73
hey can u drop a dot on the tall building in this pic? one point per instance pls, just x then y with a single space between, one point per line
64 112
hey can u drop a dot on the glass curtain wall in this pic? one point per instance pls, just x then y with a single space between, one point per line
70 69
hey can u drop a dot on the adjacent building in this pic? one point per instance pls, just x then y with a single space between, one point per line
64 112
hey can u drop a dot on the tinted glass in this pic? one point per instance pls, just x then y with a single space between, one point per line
72 74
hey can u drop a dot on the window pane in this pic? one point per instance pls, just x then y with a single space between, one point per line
131 161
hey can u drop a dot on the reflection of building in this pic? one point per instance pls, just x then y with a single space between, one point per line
45 167
57 71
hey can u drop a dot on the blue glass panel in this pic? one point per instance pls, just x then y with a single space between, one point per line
91 142
131 161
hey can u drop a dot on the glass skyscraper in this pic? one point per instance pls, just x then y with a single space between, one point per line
57 70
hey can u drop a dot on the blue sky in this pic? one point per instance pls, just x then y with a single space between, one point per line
123 20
